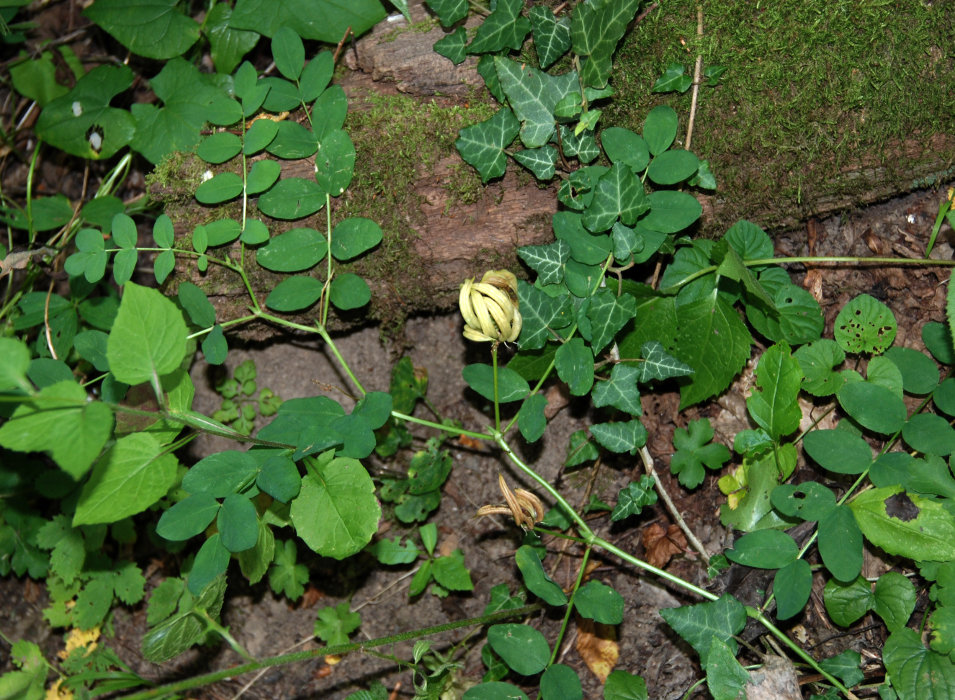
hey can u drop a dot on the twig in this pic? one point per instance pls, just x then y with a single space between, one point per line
697 74
690 537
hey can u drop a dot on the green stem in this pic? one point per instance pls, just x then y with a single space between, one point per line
581 572
454 430
341 359
284 659
497 403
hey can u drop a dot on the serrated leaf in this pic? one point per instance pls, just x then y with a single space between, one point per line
148 338
286 576
334 624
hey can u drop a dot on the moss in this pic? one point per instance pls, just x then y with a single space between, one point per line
813 90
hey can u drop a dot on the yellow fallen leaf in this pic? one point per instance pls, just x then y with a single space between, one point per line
597 646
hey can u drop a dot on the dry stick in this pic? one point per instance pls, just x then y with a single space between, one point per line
671 506
697 74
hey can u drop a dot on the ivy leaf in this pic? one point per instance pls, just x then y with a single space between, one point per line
693 453
546 260
533 96
674 79
150 28
504 28
334 624
620 436
633 498
452 47
773 404
482 144
551 36
699 624
540 161
449 11
657 364
595 31
617 194
608 313
287 577
620 391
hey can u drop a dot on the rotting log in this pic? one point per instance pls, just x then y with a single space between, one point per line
435 236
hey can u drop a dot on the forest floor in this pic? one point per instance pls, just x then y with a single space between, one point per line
267 625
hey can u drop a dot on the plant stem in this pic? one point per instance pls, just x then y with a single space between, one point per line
441 426
581 572
284 659
497 403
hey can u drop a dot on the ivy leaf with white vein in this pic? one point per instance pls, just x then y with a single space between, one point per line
449 11
546 260
595 30
608 314
620 391
551 36
533 95
540 161
482 144
541 314
504 28
620 436
618 193
658 364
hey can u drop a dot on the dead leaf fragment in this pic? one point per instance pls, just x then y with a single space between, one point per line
597 646
661 545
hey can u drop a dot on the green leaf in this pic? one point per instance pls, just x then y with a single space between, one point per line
68 122
673 167
255 561
917 672
220 474
220 147
336 512
14 361
693 453
809 500
699 624
726 679
150 28
349 291
293 251
624 146
493 690
873 406
452 46
335 162
536 579
817 360
450 572
288 52
392 552
620 391
187 518
292 140
294 294
449 11
35 78
227 45
286 576
919 373
130 477
618 193
255 232
325 21
595 31
671 211
551 36
895 599
279 478
764 549
674 79
220 188
657 364
905 524
237 523
865 325
292 198
482 145
522 648
211 562
353 236
560 682
608 314
938 341
190 99
930 434
599 602
334 624
504 28
620 436
840 543
540 161
60 419
533 95
574 362
621 685
259 136
845 667
541 314
196 304
531 420
510 385
659 129
148 338
633 498
792 587
772 404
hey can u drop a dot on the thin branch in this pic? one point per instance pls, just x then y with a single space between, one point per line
697 74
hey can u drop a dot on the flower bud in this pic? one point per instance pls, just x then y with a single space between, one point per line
489 308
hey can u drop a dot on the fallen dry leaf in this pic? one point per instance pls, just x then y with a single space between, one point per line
597 646
660 546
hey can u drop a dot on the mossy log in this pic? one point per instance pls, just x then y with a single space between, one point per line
441 225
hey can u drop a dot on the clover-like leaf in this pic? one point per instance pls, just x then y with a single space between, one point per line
694 451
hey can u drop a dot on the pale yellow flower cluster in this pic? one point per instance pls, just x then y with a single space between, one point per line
489 308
